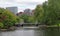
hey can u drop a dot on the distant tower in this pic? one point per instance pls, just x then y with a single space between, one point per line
13 9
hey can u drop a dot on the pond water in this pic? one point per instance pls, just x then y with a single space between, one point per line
32 32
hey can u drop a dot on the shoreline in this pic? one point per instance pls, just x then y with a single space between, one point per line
14 28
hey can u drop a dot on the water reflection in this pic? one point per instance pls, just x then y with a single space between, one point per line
32 32
23 32
52 31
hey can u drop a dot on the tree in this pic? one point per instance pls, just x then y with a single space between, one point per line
39 13
8 18
48 13
45 14
1 25
31 19
54 11
25 18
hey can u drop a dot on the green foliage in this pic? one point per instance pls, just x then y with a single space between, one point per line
39 13
31 19
8 18
27 18
54 11
38 10
24 17
1 25
48 13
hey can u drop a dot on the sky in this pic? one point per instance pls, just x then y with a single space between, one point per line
21 4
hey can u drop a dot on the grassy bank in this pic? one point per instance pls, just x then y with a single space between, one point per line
59 24
54 25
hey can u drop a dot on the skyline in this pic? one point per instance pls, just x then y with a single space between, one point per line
21 4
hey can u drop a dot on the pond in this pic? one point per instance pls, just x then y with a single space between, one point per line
32 32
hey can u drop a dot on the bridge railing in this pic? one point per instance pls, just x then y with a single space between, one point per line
29 24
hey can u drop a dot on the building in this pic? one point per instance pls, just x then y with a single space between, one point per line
20 13
33 12
13 9
28 12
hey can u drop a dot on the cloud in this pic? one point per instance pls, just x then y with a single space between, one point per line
23 1
21 4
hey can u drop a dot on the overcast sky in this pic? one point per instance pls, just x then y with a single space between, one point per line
21 4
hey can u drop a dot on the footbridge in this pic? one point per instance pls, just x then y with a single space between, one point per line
29 24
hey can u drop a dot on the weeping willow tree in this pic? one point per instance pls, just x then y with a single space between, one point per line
38 13
54 11
48 13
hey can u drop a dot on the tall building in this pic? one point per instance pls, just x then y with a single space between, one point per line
13 9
